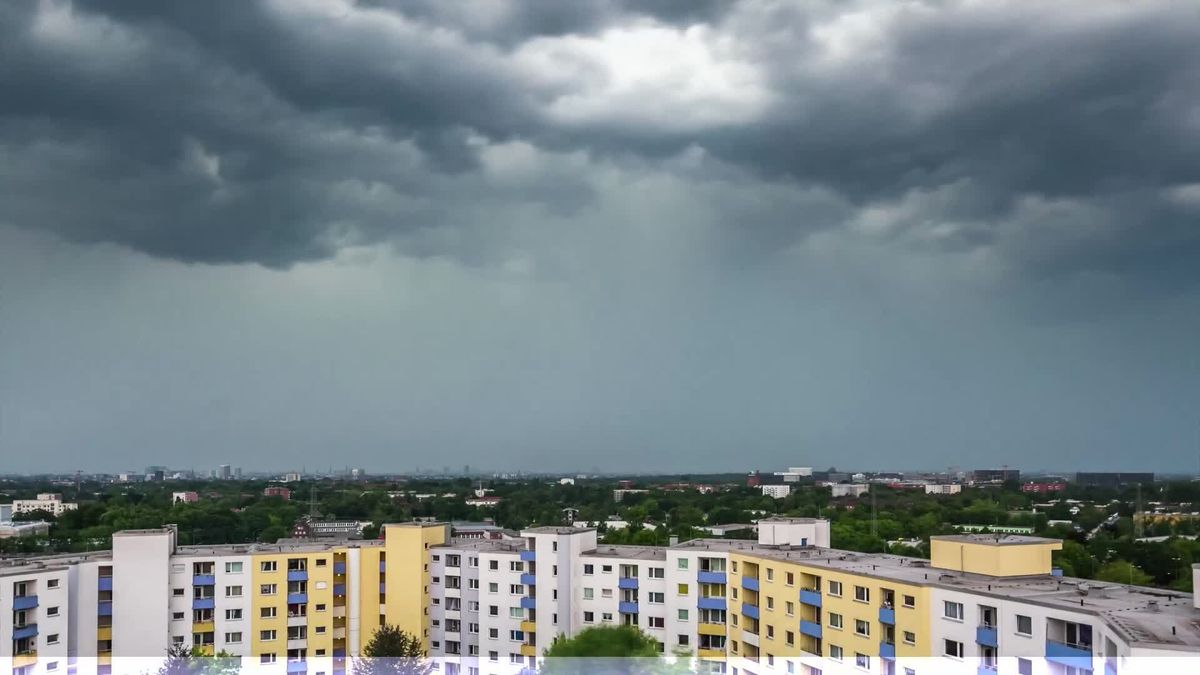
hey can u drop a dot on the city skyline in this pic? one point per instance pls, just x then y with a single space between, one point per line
647 236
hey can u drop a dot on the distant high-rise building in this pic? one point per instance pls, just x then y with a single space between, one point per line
995 475
224 472
1112 478
237 473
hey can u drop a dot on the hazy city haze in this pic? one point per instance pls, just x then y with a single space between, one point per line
658 235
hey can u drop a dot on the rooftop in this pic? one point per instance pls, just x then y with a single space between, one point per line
555 529
633 552
995 539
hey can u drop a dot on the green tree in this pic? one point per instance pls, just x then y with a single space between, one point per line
604 641
1122 572
392 651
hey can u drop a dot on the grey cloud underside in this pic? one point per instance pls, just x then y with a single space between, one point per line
231 132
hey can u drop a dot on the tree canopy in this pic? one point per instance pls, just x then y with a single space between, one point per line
392 651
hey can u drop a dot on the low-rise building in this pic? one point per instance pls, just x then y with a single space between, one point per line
49 502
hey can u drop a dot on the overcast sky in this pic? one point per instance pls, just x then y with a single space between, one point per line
644 235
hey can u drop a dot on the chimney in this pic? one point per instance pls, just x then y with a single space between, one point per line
673 540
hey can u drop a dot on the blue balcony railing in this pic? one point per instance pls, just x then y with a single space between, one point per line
382 587
811 629
528 579
528 556
27 631
297 575
887 616
986 636
528 603
750 583
300 598
715 602
887 650
297 666
339 568
104 609
627 583
104 584
811 598
750 610
204 580
710 577
25 602
1076 656
382 565
339 590
204 603
627 607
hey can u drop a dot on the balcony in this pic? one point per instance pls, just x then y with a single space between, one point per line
986 669
750 610
203 626
297 620
710 628
297 643
382 566
810 598
297 666
104 584
339 568
339 590
528 579
811 629
528 556
712 602
710 653
382 587
625 607
297 575
750 638
104 633
528 627
750 583
710 577
529 603
1076 656
627 583
887 650
302 598
24 602
986 636
528 650
27 631
24 659
104 609
887 616
204 580
204 603
339 653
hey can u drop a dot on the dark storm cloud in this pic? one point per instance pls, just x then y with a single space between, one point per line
1062 137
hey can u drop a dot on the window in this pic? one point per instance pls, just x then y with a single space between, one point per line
1024 667
835 620
266 635
516 566
493 610
862 661
835 652
233 568
52 583
52 611
589 617
319 630
683 615
733 567
589 569
516 613
268 566
267 589
790 608
493 633
789 638
862 594
953 610
267 658
770 632
321 562
233 638
657 598
953 648
910 601
233 591
320 607
683 563
177 592
683 639
52 639
789 579
233 615
770 602
177 616
589 593
266 613
473 628
493 587
53 665
606 617
493 565
606 569
554 546
1024 625
682 589
910 638
516 589
862 628
606 592
658 622
770 574
516 635
835 589
658 572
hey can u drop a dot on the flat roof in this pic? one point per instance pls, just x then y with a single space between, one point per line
631 552
557 529
995 539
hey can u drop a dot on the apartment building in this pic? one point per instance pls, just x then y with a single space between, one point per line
49 502
785 603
